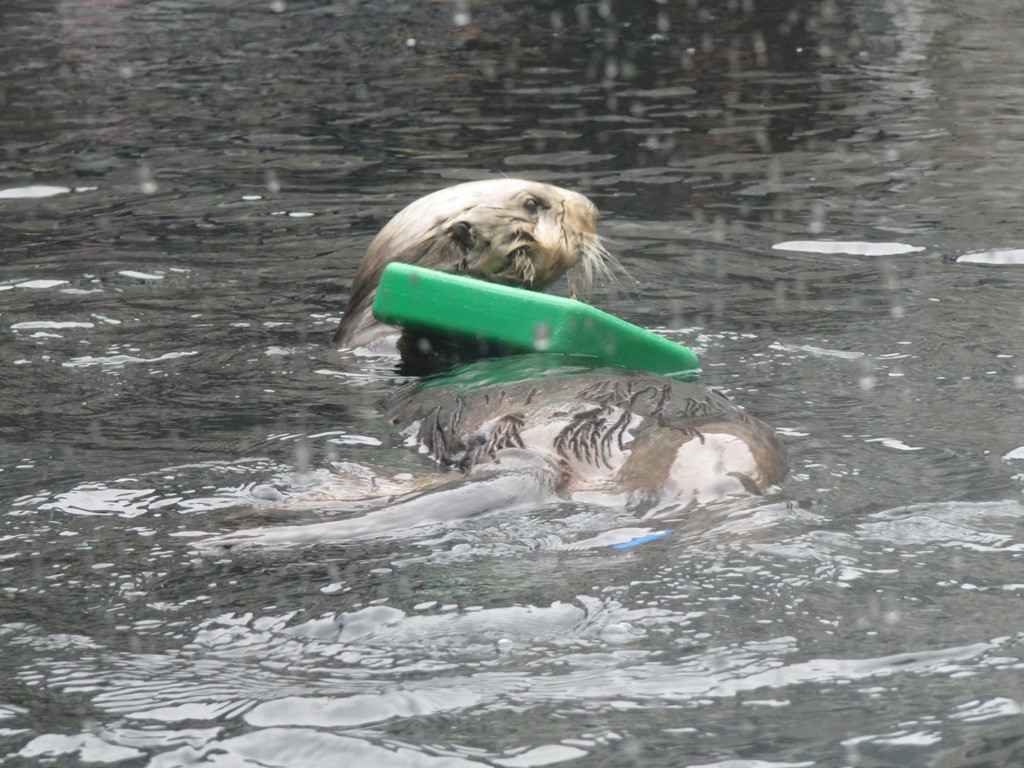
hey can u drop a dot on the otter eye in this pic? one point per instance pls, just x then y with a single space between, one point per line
531 206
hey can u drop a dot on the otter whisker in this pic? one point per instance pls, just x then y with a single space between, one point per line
596 262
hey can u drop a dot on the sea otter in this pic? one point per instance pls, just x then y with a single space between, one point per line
600 429
532 428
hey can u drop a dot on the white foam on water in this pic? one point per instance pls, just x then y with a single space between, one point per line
1009 257
32 192
849 247
40 284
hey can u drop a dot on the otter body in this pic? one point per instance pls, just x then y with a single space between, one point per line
520 432
607 430
640 435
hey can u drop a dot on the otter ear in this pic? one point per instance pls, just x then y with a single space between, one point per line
463 235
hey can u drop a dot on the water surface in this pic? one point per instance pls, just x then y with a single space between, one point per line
821 198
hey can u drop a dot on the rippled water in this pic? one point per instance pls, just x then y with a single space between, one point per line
822 198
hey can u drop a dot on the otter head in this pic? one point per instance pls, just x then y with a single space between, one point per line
508 231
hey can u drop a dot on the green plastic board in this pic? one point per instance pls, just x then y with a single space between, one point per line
438 303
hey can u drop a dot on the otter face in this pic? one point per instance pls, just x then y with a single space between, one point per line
508 231
529 238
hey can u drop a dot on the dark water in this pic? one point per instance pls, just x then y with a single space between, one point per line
217 170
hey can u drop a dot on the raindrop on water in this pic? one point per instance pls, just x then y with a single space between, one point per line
828 10
760 46
611 70
631 749
866 376
146 181
891 282
303 456
583 16
461 16
273 183
720 229
331 452
889 277
819 213
780 295
278 6
761 139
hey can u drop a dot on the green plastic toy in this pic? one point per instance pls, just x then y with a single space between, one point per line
454 306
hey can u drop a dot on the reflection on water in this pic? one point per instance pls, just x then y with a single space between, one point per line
822 199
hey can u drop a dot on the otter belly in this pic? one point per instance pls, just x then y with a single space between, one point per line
609 431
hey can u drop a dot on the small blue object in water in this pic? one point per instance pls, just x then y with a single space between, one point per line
641 539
